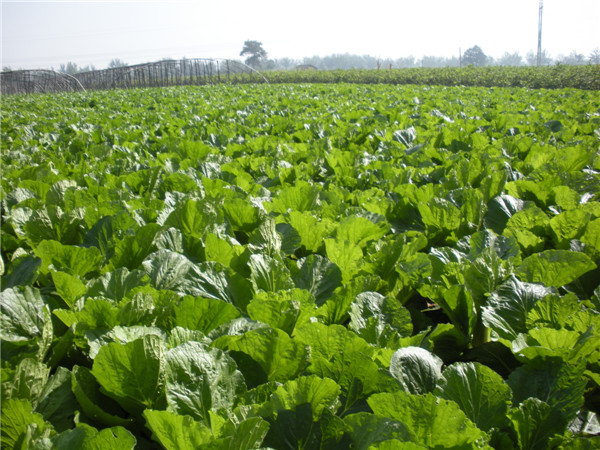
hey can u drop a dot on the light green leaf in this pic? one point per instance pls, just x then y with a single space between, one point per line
24 315
360 230
312 231
68 287
269 274
283 309
321 393
430 421
17 415
167 269
177 432
339 354
369 429
203 314
379 320
480 392
132 373
115 285
281 357
347 256
76 261
213 280
554 267
416 369
86 437
300 197
318 275
241 214
193 217
131 251
200 379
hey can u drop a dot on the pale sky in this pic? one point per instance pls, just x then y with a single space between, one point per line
44 34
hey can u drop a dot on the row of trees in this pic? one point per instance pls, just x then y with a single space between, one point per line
257 58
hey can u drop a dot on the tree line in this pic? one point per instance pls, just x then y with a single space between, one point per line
257 58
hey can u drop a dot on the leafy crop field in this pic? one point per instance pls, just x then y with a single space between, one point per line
301 266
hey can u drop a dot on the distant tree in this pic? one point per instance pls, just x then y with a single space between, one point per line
594 57
116 62
6 68
573 59
256 51
531 58
474 56
70 68
510 59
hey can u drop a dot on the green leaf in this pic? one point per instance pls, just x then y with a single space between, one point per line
177 432
96 314
502 246
76 261
347 256
557 383
167 269
535 423
430 421
568 225
213 280
24 315
281 357
203 314
321 393
21 272
193 217
56 403
379 320
554 267
132 250
93 403
591 236
339 354
17 415
317 275
480 392
98 338
68 287
86 437
500 209
132 373
360 231
221 251
416 369
439 214
507 308
312 231
28 380
369 429
200 379
116 285
269 274
301 197
241 214
283 309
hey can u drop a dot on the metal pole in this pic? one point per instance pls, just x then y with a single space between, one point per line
539 49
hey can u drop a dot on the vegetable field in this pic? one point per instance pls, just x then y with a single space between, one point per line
301 266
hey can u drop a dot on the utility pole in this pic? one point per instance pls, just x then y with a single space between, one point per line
539 48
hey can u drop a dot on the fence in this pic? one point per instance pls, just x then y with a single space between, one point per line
197 71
